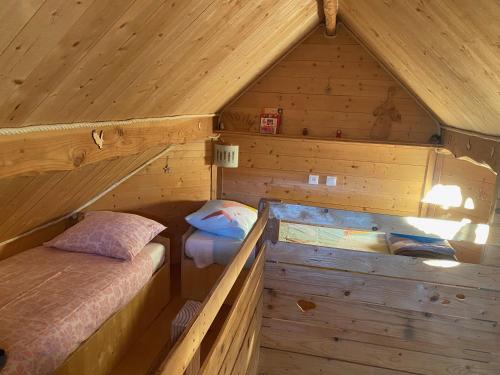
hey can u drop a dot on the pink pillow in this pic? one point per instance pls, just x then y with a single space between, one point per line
111 234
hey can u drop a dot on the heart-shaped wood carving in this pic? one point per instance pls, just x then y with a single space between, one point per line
98 138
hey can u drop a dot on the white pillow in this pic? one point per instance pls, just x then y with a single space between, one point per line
225 218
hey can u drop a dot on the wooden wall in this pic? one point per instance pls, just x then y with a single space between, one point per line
376 319
370 177
475 182
167 190
32 200
46 175
327 84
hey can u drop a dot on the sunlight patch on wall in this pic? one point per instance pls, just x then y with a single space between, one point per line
469 204
482 232
445 196
441 263
442 228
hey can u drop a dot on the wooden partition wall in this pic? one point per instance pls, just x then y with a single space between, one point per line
476 183
370 177
342 312
380 178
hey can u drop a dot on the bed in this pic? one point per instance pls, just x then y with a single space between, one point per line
74 313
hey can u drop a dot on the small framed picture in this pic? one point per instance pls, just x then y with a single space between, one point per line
270 120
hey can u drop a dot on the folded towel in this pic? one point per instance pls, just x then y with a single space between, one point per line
421 247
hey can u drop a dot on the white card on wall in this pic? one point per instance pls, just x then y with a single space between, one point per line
313 179
331 181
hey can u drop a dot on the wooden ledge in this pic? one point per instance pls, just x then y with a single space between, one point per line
328 140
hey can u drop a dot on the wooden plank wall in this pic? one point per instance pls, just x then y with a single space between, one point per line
372 321
32 200
167 190
327 84
475 182
370 177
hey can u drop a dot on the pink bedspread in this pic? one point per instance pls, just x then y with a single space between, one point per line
51 301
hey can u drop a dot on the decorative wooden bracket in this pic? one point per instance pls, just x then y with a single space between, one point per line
98 138
331 8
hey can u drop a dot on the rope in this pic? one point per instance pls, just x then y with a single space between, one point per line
93 125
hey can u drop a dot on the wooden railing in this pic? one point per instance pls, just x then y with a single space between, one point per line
181 355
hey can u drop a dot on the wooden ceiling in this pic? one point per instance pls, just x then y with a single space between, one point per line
65 61
447 52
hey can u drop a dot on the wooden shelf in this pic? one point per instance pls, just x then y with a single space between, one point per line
329 140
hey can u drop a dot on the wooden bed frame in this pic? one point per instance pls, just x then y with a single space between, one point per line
341 311
196 283
344 311
102 351
236 347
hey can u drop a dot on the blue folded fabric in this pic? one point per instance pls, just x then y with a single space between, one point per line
419 246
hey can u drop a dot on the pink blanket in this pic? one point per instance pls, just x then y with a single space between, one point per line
51 301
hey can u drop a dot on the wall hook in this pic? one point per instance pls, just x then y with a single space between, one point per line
98 138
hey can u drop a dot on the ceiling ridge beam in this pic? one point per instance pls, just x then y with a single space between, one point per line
330 8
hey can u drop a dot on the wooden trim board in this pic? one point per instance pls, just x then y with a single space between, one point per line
62 150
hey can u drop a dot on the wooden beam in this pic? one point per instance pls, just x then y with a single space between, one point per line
331 8
180 356
72 146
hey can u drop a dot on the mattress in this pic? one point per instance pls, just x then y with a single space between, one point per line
207 248
156 252
52 300
334 237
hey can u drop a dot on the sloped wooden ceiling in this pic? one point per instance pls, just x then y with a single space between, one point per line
67 61
446 51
